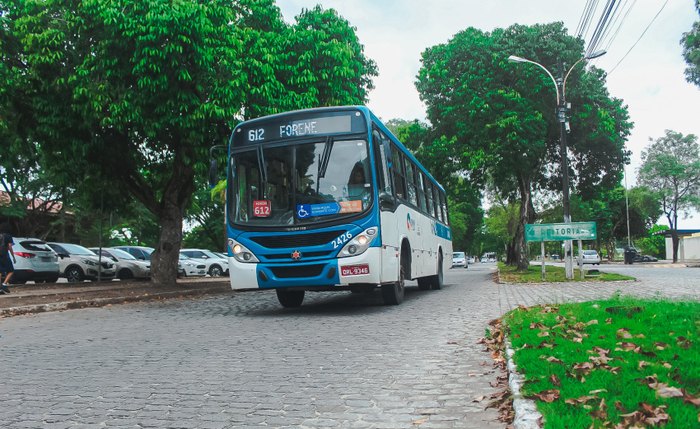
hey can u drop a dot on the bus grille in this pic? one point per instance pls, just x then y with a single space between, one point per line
297 240
305 255
296 272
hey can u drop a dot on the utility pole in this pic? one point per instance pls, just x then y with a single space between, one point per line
562 110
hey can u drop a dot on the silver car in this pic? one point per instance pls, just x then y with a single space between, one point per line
589 257
35 261
79 263
128 267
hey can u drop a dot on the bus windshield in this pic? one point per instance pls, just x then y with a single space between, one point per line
282 185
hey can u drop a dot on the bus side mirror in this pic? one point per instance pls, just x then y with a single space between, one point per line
387 202
213 173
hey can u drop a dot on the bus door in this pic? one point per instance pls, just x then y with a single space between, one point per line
387 208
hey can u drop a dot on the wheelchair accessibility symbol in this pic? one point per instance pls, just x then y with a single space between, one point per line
302 212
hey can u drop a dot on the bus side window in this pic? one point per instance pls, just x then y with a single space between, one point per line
380 162
397 170
411 181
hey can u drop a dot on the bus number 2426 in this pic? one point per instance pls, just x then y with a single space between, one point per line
342 239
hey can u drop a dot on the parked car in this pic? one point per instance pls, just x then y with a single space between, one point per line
142 253
128 267
644 258
459 259
589 257
192 267
79 263
35 261
216 265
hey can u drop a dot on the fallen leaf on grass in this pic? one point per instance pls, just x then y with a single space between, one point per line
602 411
623 333
550 395
552 359
581 400
554 380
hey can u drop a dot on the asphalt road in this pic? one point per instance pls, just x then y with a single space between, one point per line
340 361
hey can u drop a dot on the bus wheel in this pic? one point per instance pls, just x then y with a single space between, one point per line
393 293
290 298
437 279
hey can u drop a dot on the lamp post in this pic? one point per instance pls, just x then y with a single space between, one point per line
562 109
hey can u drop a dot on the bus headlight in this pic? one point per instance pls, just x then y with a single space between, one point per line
241 253
358 244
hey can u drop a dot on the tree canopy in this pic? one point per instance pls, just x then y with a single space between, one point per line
133 94
691 50
499 116
671 167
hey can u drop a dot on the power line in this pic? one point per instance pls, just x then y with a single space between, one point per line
640 37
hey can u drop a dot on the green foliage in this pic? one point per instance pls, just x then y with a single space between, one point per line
495 119
654 243
620 362
133 94
671 166
691 50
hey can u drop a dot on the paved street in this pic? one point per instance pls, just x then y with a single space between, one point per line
241 361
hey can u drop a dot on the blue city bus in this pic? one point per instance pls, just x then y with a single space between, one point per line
329 199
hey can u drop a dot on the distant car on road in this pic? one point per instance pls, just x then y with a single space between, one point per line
589 257
35 261
459 259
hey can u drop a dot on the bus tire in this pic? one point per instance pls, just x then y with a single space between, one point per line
438 279
290 298
393 293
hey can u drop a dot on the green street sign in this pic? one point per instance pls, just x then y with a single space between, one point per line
560 231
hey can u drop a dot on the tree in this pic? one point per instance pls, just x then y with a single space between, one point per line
500 118
691 50
671 166
135 93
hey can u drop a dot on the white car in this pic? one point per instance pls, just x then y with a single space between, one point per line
216 265
192 267
35 261
128 267
459 259
589 257
79 263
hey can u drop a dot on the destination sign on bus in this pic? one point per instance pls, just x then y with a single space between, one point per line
291 127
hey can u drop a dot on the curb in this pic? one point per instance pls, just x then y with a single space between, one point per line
102 302
526 414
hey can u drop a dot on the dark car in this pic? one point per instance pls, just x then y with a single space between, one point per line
644 258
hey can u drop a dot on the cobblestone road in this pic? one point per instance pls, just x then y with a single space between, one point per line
340 361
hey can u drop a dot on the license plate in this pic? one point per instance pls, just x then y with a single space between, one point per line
354 270
46 259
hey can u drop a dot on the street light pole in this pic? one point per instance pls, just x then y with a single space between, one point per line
562 109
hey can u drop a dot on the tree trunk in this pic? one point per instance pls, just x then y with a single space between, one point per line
675 243
165 258
527 214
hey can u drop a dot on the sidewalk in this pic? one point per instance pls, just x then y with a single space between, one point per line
38 298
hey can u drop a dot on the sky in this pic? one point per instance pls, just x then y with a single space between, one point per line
644 59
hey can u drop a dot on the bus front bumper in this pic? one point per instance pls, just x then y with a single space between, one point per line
362 269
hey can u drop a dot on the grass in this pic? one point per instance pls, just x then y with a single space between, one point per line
621 361
509 274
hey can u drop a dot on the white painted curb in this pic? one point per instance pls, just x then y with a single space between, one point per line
526 414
